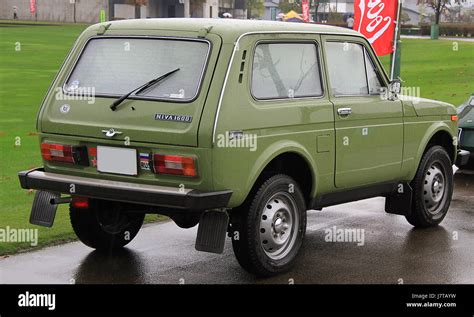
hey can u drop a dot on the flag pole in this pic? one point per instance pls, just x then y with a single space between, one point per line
396 55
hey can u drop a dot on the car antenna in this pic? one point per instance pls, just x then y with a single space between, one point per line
103 28
204 31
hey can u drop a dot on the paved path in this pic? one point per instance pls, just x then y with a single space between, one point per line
164 253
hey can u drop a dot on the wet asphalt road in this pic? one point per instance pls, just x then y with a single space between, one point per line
393 252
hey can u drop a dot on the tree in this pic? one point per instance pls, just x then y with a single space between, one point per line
317 3
252 6
286 6
438 6
335 17
404 17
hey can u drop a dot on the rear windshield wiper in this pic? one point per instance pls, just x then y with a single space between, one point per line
142 88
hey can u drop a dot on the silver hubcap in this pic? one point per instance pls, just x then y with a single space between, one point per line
433 188
278 225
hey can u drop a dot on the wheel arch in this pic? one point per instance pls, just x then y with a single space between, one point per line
288 158
437 135
442 137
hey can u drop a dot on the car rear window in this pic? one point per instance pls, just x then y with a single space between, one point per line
286 70
115 66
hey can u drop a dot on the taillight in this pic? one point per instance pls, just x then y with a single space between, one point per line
80 202
65 153
454 118
174 164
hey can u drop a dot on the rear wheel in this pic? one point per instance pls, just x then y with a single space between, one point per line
432 188
105 225
268 230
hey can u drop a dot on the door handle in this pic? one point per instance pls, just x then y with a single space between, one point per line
344 112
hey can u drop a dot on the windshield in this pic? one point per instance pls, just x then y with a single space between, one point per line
466 113
115 66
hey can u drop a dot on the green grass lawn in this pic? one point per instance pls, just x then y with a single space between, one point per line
441 72
25 75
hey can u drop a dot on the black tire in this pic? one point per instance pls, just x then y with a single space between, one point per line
247 222
431 203
105 226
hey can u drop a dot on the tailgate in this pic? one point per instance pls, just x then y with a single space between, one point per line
106 68
134 120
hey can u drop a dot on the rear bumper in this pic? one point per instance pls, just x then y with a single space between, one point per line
161 196
462 158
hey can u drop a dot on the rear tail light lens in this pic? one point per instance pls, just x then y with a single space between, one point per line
454 118
65 153
80 202
175 165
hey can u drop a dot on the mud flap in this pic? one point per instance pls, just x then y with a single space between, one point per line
43 211
400 201
212 231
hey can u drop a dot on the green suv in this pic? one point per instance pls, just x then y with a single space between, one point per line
466 131
238 126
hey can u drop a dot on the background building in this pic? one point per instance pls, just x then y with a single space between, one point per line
88 11
271 9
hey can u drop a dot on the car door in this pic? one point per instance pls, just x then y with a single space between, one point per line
277 92
369 128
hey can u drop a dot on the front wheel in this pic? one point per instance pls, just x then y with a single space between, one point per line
268 230
432 189
105 226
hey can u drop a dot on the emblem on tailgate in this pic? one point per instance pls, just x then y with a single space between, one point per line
111 132
173 117
65 108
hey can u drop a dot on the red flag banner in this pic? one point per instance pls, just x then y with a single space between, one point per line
305 10
32 6
376 20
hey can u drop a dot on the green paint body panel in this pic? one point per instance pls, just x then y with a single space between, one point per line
466 123
386 138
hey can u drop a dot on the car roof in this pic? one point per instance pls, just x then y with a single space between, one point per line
228 29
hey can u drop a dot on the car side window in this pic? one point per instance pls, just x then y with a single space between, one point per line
286 70
346 66
374 82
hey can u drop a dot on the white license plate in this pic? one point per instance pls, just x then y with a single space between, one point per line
117 160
